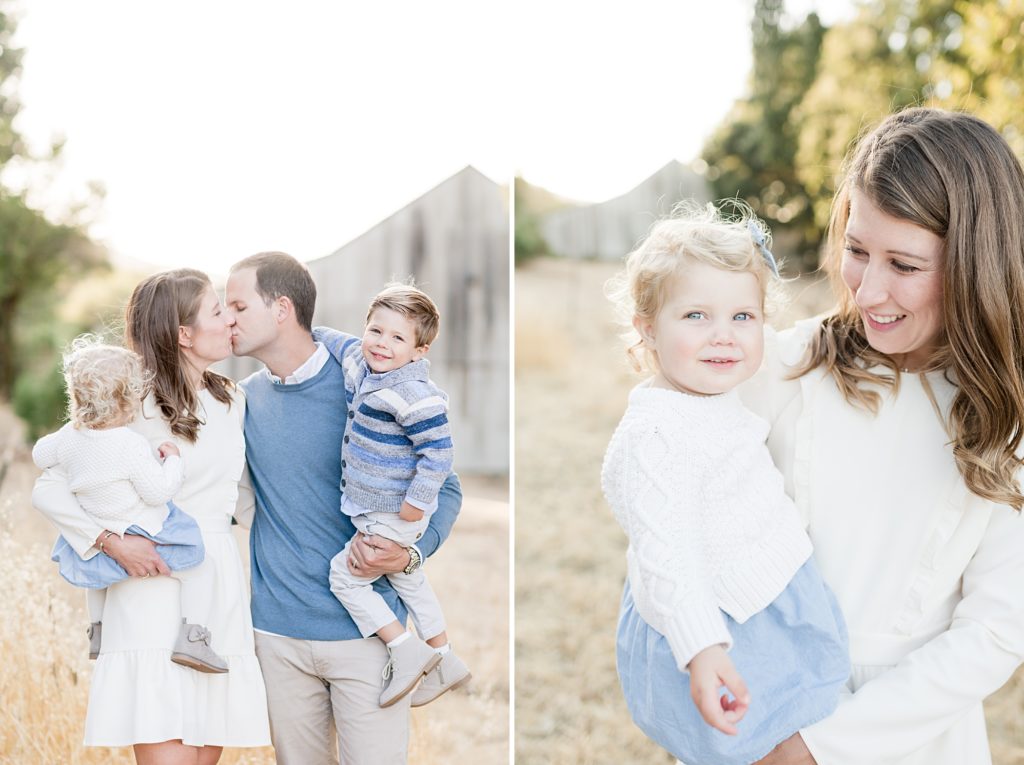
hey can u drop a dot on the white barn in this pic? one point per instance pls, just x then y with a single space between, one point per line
609 230
454 241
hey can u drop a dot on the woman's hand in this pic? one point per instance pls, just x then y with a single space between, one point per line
135 554
709 670
376 556
792 751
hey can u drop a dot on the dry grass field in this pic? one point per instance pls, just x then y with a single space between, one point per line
44 672
571 387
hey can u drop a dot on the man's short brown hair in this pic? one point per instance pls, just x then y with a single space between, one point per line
280 275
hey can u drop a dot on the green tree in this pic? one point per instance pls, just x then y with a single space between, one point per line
529 242
752 153
893 54
39 258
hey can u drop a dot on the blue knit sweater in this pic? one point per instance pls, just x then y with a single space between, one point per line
397 443
293 437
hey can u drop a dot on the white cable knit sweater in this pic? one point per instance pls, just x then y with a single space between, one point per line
114 474
710 527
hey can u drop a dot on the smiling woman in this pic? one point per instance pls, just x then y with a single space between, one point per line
894 269
910 483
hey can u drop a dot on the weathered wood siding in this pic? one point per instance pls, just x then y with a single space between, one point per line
454 241
609 230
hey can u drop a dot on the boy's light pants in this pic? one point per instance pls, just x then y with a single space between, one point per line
367 608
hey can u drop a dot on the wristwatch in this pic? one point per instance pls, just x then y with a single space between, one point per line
415 560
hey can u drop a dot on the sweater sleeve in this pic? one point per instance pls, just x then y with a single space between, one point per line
931 688
44 453
657 506
155 483
425 422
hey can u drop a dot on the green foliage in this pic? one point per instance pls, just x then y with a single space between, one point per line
529 242
39 261
40 401
893 54
752 154
815 91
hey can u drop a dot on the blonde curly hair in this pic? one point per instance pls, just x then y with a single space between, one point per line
721 236
105 383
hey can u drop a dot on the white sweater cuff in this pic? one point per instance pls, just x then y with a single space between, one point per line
690 631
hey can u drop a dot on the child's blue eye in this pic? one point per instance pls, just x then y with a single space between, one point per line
694 315
743 316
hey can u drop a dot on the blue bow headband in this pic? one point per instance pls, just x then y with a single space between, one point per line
758 236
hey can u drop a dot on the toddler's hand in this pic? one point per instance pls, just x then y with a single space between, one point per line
166 449
410 512
709 670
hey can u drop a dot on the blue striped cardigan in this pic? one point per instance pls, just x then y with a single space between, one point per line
397 442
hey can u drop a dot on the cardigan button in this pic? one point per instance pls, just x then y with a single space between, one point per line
351 414
346 439
344 464
343 483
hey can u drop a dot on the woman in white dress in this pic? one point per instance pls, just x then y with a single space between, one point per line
897 421
173 715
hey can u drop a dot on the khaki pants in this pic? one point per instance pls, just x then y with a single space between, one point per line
326 692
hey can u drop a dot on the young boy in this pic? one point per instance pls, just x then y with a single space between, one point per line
396 453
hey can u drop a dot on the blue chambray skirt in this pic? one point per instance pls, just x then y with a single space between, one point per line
793 656
179 542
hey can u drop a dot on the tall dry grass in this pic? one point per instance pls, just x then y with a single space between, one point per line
44 670
571 386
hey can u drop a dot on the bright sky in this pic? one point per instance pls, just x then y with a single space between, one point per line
220 129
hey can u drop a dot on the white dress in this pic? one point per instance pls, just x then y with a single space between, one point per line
928 575
137 694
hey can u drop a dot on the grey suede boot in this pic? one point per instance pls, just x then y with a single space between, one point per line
95 633
408 663
451 673
192 649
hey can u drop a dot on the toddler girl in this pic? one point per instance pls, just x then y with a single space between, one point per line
124 488
722 590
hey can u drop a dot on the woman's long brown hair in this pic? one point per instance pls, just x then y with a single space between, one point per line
157 308
955 176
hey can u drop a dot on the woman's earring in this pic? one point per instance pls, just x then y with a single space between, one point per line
189 343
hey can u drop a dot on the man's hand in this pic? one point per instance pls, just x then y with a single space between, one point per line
709 670
135 554
792 751
375 556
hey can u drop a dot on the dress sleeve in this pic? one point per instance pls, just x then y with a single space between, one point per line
449 503
918 699
245 505
52 496
668 575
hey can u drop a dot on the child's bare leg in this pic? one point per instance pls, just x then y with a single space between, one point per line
389 632
196 595
94 601
438 641
192 648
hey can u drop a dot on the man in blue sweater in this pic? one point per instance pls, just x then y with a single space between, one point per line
322 677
